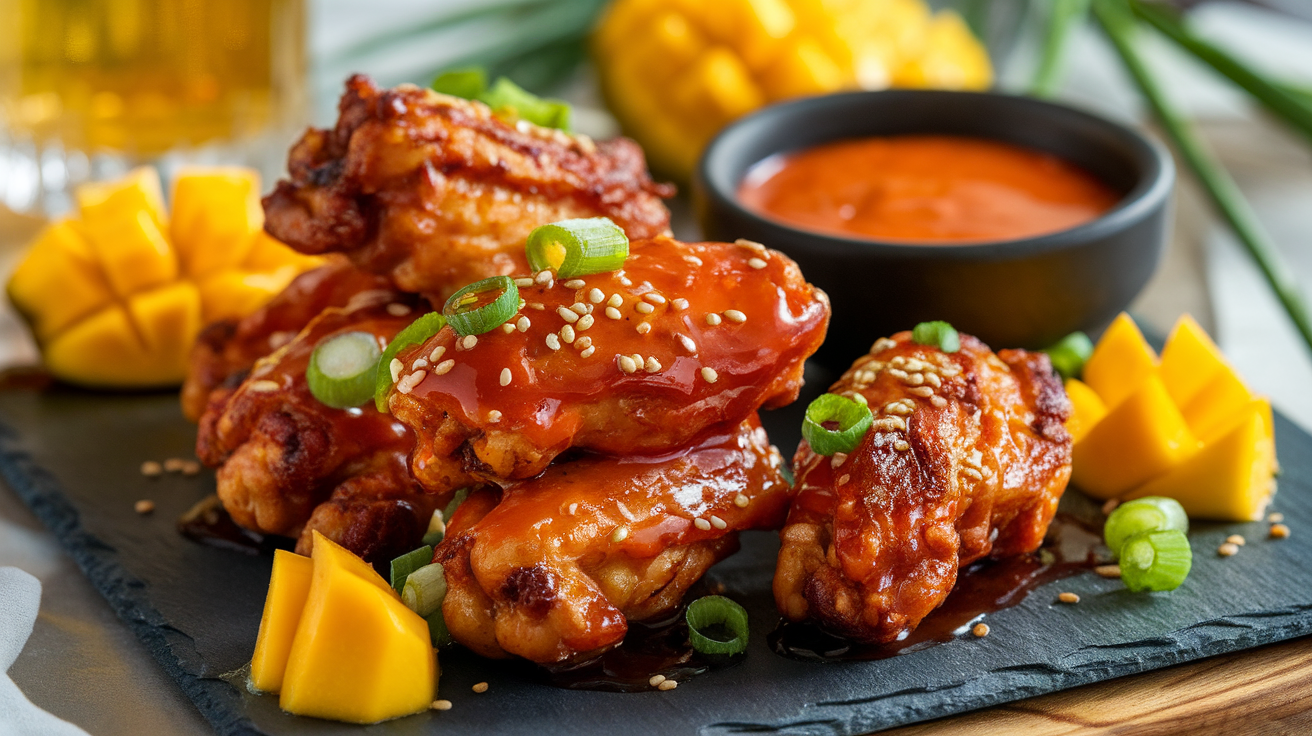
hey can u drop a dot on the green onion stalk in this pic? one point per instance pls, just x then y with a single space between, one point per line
1064 16
1119 23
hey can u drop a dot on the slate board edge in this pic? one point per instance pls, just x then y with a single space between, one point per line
215 699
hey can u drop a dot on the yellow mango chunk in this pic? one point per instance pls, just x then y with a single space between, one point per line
289 586
167 320
1189 360
102 350
214 213
1217 404
1228 480
266 253
808 70
359 654
59 263
230 294
1121 361
131 250
1086 409
1138 440
139 191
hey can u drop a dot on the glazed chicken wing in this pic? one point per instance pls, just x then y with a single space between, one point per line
551 569
686 340
438 192
967 458
289 464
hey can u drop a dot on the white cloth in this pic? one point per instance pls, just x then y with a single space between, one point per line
20 597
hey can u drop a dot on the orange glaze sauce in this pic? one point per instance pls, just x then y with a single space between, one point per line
925 189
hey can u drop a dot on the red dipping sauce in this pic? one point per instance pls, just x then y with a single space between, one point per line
925 189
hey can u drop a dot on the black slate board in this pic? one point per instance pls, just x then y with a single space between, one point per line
74 458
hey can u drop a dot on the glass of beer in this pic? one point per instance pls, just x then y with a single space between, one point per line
91 88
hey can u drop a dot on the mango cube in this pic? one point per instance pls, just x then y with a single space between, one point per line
289 586
1189 360
1141 438
359 655
1121 361
1087 409
1217 404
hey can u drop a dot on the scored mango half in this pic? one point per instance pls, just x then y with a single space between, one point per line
1185 426
674 72
116 295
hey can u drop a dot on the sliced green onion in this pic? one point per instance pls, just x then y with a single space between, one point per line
835 423
436 529
425 589
937 334
482 306
454 504
342 368
712 615
415 333
1156 560
438 633
1069 354
505 95
408 563
575 248
1064 16
1148 514
468 83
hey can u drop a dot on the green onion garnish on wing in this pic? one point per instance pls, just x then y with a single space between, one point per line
408 563
341 369
1156 560
1070 354
454 504
573 248
937 334
835 423
417 332
482 306
717 625
425 589
467 83
505 95
438 633
1148 514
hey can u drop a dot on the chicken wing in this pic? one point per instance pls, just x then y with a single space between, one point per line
551 569
289 464
438 192
967 457
226 350
686 340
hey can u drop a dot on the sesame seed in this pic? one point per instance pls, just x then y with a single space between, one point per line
643 328
575 284
679 304
583 343
644 308
638 359
756 263
733 315
626 364
897 407
443 368
842 481
407 384
263 386
626 281
620 534
396 366
596 296
579 308
1227 549
397 310
1108 571
419 363
584 322
523 281
914 379
922 391
613 313
567 334
712 319
567 314
860 399
494 416
972 473
573 508
505 376
507 328
539 306
190 467
654 298
522 324
1068 598
838 459
938 401
144 506
1236 539
173 465
468 342
741 501
587 353
882 344
981 630
718 523
933 380
667 685
653 365
615 301
543 277
553 341
750 244
694 260
1279 531
901 445
1275 518
436 355
521 304
688 344
656 680
480 687
709 374
441 705
701 523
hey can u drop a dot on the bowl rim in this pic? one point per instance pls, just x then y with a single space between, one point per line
1149 193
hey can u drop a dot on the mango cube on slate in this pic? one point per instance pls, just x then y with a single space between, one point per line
1087 409
289 585
1140 439
1230 479
1189 360
1121 361
359 654
1217 404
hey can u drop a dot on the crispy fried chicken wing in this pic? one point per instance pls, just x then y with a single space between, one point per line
551 569
438 192
686 340
967 458
289 464
227 349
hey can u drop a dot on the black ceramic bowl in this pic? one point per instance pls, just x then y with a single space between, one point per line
1017 293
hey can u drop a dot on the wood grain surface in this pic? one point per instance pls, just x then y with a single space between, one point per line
1253 693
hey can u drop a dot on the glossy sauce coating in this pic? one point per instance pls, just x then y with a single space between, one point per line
925 189
621 363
